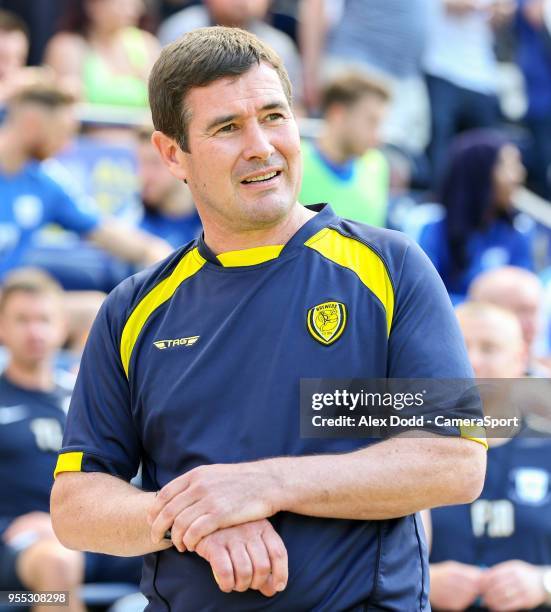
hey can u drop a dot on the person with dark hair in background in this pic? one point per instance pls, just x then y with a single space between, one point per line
476 226
343 165
34 398
101 55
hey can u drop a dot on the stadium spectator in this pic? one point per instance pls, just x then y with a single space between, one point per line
168 209
460 67
195 364
474 226
533 49
14 47
386 40
39 121
343 166
246 14
33 404
101 55
521 292
495 553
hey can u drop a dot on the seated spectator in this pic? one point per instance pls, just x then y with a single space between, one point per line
521 292
248 15
476 229
14 48
101 54
39 121
495 553
34 400
169 211
343 166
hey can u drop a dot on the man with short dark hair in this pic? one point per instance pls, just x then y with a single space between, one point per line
193 367
39 122
343 165
34 398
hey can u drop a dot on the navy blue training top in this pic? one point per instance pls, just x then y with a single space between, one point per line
198 361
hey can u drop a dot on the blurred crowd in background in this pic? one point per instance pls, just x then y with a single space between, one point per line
431 117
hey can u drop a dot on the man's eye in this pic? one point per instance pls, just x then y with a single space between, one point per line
274 116
227 128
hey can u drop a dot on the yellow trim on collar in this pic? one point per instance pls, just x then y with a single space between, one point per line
250 257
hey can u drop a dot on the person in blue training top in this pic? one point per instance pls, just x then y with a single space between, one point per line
193 367
496 552
476 230
168 209
38 123
34 399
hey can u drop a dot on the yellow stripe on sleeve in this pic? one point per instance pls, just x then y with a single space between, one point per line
190 263
362 260
474 433
69 462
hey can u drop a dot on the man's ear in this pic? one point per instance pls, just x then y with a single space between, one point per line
170 152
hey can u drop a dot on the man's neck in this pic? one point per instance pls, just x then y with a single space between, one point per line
32 378
12 155
220 241
329 145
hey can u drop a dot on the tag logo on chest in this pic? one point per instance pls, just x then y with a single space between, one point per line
326 322
175 342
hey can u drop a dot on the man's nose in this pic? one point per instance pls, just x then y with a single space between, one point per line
257 143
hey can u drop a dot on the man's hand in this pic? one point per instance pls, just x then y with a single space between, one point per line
249 556
513 585
211 497
454 586
38 523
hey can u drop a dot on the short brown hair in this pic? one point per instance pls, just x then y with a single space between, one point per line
348 88
10 22
40 90
28 280
197 59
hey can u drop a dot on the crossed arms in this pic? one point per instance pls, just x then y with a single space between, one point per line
220 511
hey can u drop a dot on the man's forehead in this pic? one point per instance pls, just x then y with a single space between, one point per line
252 90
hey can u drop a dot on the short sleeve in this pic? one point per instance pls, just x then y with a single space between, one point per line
426 343
100 435
425 340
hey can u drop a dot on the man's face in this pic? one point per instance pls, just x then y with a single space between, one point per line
49 130
242 129
13 52
32 327
156 181
237 12
495 350
360 125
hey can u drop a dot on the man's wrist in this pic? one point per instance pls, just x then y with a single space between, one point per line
279 483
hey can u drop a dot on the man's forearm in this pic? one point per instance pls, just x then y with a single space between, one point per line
390 479
129 243
100 513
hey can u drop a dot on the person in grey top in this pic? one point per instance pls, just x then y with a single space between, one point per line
248 15
385 39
